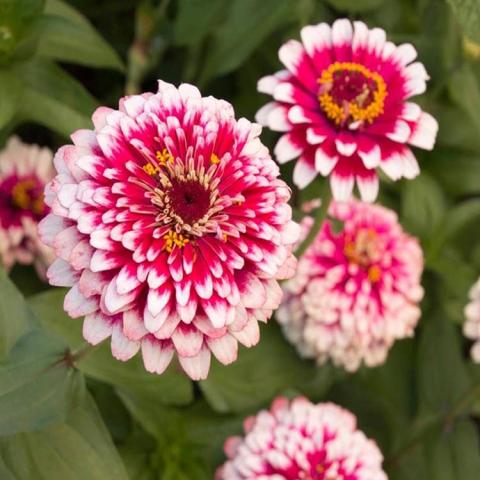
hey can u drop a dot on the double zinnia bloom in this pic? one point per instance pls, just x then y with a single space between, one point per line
172 229
342 103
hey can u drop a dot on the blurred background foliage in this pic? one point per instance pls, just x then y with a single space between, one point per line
69 412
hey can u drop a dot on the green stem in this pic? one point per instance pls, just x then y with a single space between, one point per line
317 224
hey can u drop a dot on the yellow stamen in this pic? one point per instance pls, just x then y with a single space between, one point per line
164 156
174 239
22 199
214 159
353 109
374 273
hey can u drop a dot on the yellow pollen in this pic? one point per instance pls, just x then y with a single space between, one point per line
354 109
164 157
22 199
214 159
174 239
374 273
150 169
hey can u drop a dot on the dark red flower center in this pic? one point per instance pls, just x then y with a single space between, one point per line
21 196
350 92
189 199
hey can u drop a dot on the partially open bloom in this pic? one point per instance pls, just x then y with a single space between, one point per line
172 227
24 172
471 327
356 290
301 441
342 101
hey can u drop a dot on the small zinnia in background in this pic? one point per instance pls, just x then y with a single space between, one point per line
171 227
342 103
356 289
471 327
24 172
299 440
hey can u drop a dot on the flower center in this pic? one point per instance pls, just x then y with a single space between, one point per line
28 195
364 251
351 94
189 199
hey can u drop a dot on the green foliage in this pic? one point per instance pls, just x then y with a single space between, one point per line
468 15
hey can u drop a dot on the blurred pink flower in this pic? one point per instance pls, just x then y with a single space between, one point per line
471 327
301 441
356 291
24 172
342 103
172 228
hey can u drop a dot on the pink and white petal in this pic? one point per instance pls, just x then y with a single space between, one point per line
368 186
187 340
303 173
416 78
293 55
133 326
346 145
158 298
410 164
96 328
342 34
168 327
217 310
122 348
115 302
197 367
342 186
224 348
249 335
360 38
411 112
370 153
325 159
404 54
401 132
268 83
424 132
156 355
61 274
316 135
288 147
77 305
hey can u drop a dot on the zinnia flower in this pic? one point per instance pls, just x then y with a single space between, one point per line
355 291
172 227
471 328
24 172
301 441
343 102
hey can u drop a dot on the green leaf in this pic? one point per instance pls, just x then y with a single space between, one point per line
53 98
458 172
442 375
68 36
15 316
468 15
465 92
355 5
259 374
78 449
423 205
195 19
454 453
35 384
169 388
247 24
9 98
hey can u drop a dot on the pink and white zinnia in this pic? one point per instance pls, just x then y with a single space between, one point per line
171 227
471 327
355 291
301 441
24 172
342 101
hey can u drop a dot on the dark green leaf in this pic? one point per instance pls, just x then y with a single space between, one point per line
53 98
170 388
68 36
247 24
258 375
9 98
442 375
78 449
15 316
468 15
355 5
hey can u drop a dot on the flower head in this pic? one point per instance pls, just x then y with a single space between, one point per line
301 441
355 291
342 101
24 172
172 227
471 327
